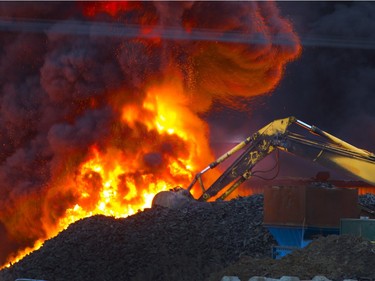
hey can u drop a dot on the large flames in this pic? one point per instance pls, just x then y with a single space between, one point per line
120 183
109 150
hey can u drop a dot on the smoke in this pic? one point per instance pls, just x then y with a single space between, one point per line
65 78
336 85
331 85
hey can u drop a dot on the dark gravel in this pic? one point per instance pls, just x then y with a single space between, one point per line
335 257
194 243
367 200
156 244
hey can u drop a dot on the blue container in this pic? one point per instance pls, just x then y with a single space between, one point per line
290 238
295 215
279 251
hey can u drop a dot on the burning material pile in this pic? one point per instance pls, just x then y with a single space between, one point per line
189 244
156 244
97 122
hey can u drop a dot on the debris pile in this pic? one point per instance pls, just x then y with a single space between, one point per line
367 200
193 243
156 244
335 257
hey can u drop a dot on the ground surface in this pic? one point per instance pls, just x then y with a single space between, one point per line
336 257
202 242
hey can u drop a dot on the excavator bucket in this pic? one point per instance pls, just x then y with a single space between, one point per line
177 198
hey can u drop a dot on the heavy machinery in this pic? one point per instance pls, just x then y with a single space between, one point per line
323 148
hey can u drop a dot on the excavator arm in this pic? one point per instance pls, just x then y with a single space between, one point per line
324 149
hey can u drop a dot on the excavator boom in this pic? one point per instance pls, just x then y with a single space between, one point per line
324 149
256 147
359 164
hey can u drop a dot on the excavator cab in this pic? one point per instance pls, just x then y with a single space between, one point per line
323 148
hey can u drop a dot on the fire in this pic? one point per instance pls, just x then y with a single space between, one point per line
113 183
167 109
117 183
123 182
118 119
110 7
21 254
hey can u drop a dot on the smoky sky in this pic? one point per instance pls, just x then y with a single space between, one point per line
67 72
62 86
62 79
331 85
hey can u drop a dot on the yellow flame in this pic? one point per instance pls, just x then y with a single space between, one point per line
104 183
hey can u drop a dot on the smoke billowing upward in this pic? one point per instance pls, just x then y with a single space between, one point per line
86 110
331 85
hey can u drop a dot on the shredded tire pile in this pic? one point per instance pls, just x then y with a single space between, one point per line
194 243
156 244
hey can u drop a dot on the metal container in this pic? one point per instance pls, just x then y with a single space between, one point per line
294 215
359 227
309 206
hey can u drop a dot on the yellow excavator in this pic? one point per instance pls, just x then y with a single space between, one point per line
324 149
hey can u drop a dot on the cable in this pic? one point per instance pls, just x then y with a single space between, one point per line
277 165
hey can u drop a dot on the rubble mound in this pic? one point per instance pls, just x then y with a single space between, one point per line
192 243
367 200
335 257
156 244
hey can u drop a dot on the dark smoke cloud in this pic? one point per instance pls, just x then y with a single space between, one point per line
331 85
62 90
91 126
336 87
45 86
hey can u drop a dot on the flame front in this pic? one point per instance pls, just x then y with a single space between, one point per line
119 183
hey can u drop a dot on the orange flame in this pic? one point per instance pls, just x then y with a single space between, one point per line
158 140
118 183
